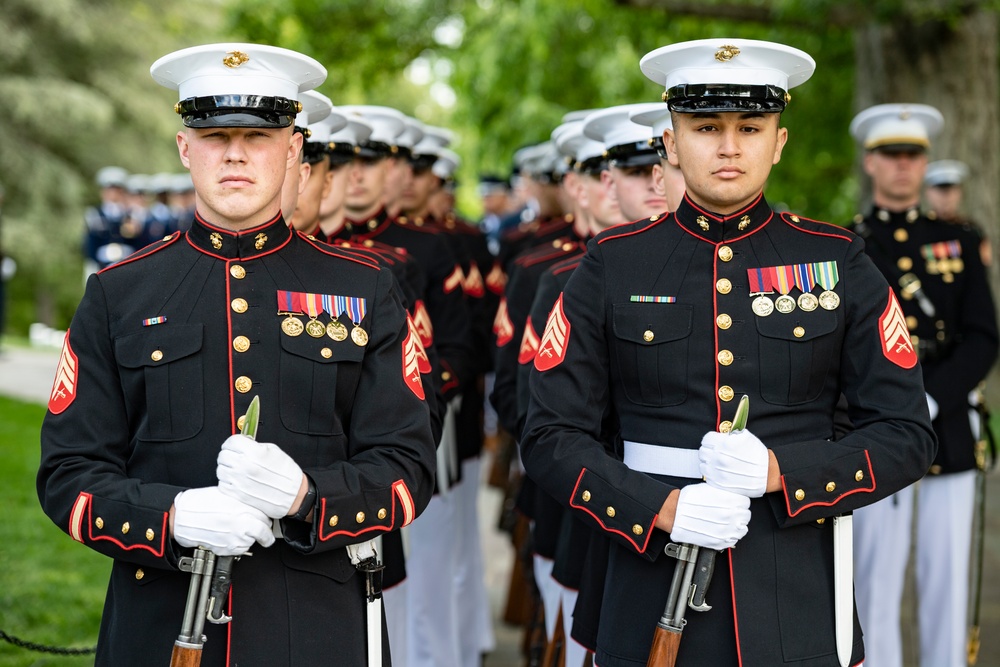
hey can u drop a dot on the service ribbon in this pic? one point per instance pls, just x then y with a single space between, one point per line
312 304
826 274
288 302
356 308
805 280
760 281
783 278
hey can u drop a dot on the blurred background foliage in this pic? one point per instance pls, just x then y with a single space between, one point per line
500 73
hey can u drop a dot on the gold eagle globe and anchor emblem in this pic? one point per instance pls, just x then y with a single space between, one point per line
234 59
726 53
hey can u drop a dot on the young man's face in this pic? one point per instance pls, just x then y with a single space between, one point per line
296 177
415 197
669 182
238 172
306 216
634 189
365 186
399 176
897 176
598 197
333 202
945 200
725 158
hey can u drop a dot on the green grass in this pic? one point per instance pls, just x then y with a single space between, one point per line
51 588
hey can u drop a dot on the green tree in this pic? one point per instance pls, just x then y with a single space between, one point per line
74 75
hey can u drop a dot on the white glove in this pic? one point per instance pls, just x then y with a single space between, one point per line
735 462
259 474
932 406
710 517
208 518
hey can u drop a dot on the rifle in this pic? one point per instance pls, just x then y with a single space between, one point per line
985 461
211 577
689 587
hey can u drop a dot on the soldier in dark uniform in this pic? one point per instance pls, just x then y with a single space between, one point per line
162 360
667 322
104 242
631 158
943 190
317 121
935 270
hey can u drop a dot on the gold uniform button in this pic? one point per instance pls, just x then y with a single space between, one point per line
798 332
800 494
940 335
586 496
724 286
150 534
904 263
334 520
237 271
935 469
725 253
156 355
241 343
858 476
241 421
911 322
555 244
360 517
610 511
99 522
939 324
901 235
726 427
239 305
446 376
637 529
831 487
724 321
647 335
326 353
382 513
725 357
125 528
726 392
243 384
139 574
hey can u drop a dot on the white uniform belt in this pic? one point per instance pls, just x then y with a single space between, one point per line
662 460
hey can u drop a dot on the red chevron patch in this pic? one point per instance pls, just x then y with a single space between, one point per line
896 345
503 328
64 385
529 344
411 364
552 349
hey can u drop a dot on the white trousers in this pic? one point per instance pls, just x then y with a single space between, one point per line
394 603
476 636
550 591
432 613
944 506
575 652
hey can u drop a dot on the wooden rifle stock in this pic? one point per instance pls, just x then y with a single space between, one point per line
185 656
666 644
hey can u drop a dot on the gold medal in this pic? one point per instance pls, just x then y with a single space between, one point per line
336 331
784 304
808 302
315 328
359 336
292 326
763 306
829 300
957 265
933 267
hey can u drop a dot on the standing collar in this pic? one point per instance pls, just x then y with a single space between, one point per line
358 227
245 244
716 228
884 215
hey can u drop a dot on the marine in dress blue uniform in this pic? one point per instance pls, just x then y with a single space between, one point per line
161 361
936 271
658 324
